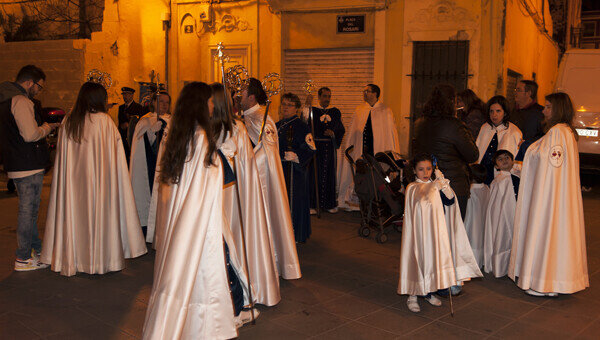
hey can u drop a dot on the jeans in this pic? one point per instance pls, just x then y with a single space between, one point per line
29 189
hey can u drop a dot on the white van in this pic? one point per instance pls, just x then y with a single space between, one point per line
579 77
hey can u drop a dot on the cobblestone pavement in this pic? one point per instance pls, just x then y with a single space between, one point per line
348 291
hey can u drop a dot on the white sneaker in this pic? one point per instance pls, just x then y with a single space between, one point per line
434 301
536 293
333 211
413 304
313 211
244 317
29 265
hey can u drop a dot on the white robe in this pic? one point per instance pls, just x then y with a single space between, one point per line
261 259
274 191
92 224
138 168
385 137
548 249
435 252
475 219
190 296
499 222
509 138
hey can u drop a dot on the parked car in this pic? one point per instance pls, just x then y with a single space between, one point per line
579 77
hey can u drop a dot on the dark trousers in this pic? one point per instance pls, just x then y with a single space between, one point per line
462 204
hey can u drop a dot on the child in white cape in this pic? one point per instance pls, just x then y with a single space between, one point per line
435 252
500 216
476 209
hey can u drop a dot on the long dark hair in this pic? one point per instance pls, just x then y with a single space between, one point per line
471 101
562 111
91 99
222 119
440 102
500 100
191 111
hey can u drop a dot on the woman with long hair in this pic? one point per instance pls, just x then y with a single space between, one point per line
244 212
497 134
190 295
472 113
92 223
548 250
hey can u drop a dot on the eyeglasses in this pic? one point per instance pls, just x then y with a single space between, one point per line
288 104
519 90
40 86
368 91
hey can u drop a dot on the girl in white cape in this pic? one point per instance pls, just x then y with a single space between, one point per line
497 134
548 249
435 252
190 297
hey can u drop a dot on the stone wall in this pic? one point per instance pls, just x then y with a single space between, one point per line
61 60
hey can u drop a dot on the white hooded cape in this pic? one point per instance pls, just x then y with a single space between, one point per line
509 138
548 249
435 252
261 259
385 137
138 168
92 223
499 221
274 191
475 219
190 296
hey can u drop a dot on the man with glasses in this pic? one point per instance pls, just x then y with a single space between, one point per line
373 130
527 115
25 154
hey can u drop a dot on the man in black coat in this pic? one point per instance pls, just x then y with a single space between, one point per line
448 139
527 116
126 112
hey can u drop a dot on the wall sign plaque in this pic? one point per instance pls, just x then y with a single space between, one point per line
351 23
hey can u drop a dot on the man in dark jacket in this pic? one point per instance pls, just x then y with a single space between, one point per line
440 134
127 111
528 116
25 154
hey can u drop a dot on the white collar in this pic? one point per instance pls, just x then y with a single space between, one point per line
420 181
252 110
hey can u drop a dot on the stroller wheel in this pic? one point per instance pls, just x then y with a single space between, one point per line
398 226
381 238
364 231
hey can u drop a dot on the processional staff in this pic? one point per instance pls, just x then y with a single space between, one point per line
222 59
272 84
309 88
237 79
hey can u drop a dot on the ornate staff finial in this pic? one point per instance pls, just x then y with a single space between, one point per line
272 84
237 79
102 78
309 86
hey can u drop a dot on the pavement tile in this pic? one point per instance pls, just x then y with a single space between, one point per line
317 271
12 328
268 330
345 282
476 320
566 324
441 330
96 331
591 332
356 331
311 293
379 293
49 320
395 320
523 330
504 306
574 305
350 307
283 308
311 321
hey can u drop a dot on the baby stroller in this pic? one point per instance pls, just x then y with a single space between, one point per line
379 184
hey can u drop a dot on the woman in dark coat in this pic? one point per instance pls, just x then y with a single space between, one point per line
472 113
439 133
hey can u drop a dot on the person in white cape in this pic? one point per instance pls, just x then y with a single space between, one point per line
373 130
548 249
147 137
266 151
92 224
497 133
476 209
246 211
435 252
500 216
190 297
